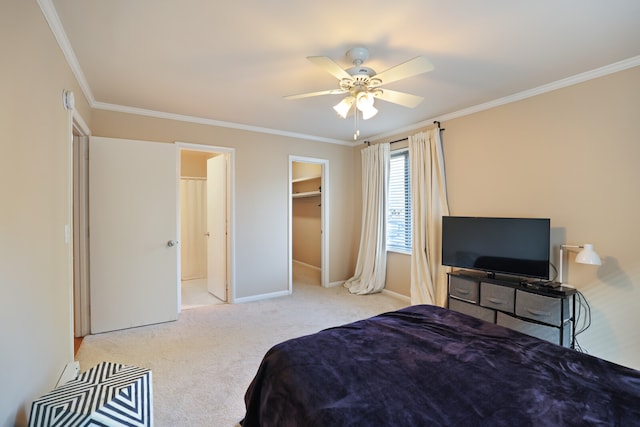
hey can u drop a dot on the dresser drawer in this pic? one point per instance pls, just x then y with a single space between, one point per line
472 310
464 289
542 308
560 336
498 297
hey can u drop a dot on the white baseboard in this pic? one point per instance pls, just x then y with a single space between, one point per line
334 284
304 264
392 294
69 372
261 297
396 295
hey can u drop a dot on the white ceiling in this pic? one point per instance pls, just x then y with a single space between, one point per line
231 63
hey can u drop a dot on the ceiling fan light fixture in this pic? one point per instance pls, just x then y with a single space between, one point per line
365 104
369 112
344 106
364 99
361 84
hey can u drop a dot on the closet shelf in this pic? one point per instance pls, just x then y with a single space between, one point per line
306 178
305 194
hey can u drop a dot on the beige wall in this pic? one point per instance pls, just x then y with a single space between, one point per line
306 212
35 308
305 170
570 155
193 164
36 324
261 193
306 231
398 273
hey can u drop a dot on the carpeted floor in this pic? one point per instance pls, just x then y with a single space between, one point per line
202 363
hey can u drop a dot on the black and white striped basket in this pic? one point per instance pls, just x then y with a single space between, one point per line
108 394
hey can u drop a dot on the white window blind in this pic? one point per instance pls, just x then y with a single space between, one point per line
399 204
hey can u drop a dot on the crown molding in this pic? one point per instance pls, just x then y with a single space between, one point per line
53 20
559 84
211 122
51 16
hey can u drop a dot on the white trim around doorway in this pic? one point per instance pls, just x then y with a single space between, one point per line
79 228
324 203
230 152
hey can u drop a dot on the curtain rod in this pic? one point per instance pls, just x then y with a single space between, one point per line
437 123
406 138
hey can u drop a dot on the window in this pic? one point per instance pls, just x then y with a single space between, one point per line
399 203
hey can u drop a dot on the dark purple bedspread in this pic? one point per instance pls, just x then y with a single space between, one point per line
427 366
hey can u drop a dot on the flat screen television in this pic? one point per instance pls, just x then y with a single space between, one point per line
512 246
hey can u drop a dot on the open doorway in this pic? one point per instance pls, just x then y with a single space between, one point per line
308 223
82 315
80 228
204 219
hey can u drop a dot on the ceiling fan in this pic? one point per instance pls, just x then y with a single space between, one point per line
362 85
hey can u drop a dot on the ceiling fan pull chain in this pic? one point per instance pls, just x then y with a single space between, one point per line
355 124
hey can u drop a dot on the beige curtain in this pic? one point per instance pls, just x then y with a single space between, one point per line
371 266
428 205
193 223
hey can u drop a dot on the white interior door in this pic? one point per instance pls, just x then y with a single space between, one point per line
217 226
133 223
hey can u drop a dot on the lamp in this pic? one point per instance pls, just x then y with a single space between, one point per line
365 104
585 256
363 100
344 106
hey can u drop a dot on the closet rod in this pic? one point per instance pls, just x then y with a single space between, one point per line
194 178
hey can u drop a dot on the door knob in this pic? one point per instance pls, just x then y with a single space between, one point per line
207 234
172 243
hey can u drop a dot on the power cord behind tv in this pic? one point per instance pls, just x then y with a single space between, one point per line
583 309
583 319
583 313
555 273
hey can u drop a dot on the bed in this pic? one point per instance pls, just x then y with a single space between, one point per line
426 365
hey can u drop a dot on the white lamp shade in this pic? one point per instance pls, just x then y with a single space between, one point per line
365 104
344 106
588 256
369 112
364 100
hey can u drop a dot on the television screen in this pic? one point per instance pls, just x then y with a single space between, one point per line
513 246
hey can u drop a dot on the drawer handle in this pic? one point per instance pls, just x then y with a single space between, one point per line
538 312
462 291
497 301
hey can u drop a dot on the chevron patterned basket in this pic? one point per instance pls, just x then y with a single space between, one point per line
108 394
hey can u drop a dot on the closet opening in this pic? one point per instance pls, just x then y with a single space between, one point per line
308 224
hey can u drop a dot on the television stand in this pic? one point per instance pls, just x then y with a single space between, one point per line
534 308
545 284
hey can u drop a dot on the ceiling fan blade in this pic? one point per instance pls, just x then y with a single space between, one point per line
412 67
330 66
400 98
322 92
